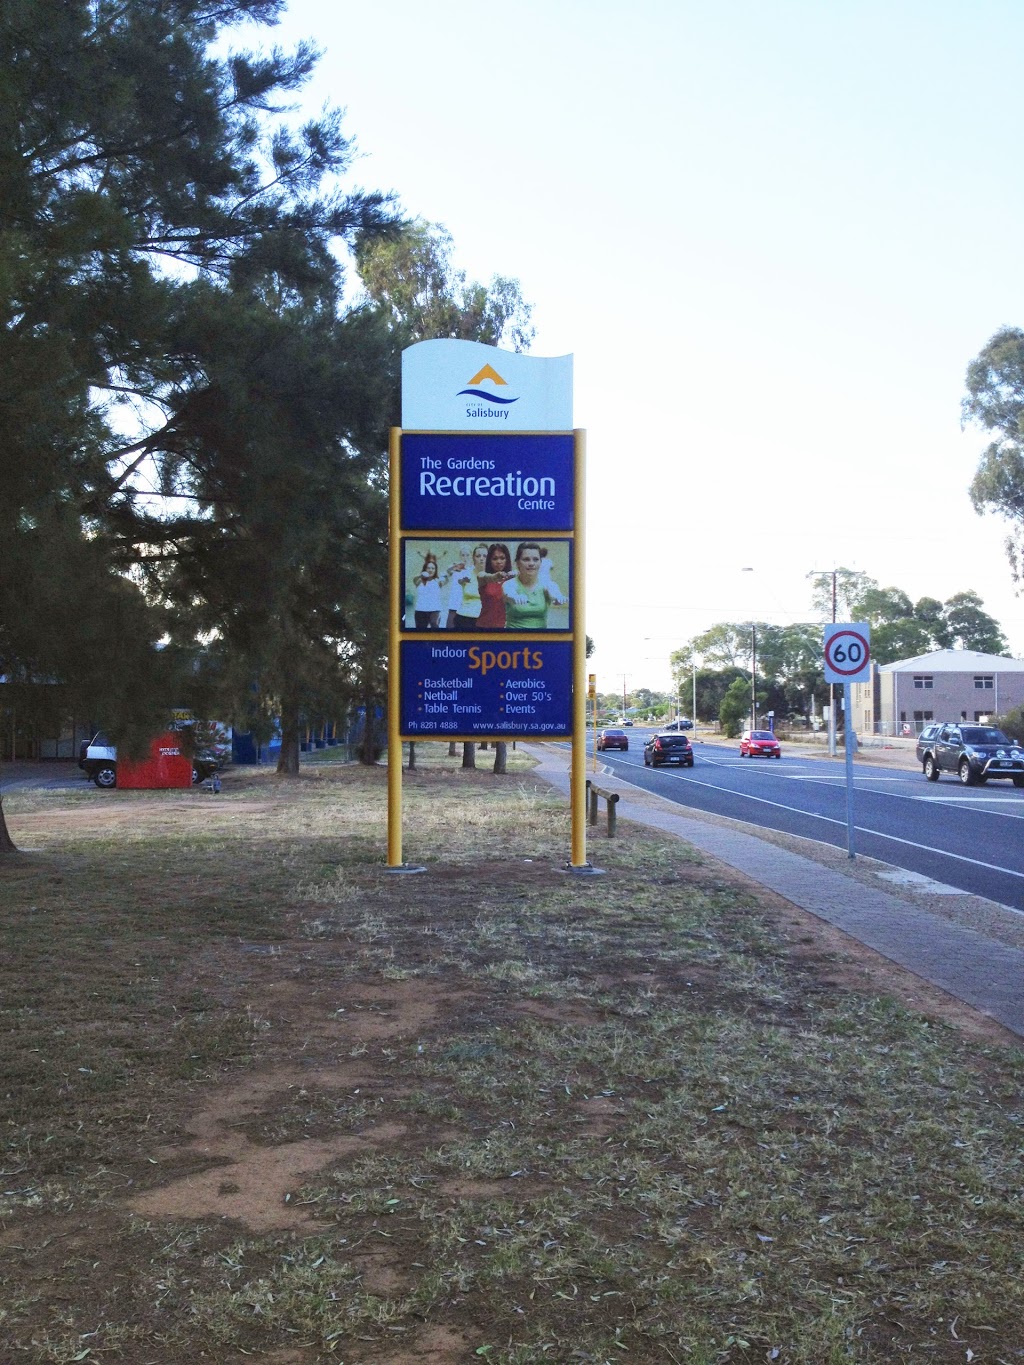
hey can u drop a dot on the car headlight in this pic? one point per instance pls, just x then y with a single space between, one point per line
972 753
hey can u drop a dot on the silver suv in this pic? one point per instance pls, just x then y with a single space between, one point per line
974 752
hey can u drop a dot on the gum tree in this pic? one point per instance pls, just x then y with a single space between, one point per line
995 401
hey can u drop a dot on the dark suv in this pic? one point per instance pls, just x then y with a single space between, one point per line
974 752
668 748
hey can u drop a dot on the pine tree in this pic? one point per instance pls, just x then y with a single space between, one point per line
145 186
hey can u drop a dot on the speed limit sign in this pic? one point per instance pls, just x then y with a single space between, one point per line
847 653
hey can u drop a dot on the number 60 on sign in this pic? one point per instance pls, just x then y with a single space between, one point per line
847 653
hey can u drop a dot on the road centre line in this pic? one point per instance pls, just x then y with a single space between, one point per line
863 829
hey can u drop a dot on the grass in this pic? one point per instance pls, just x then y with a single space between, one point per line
489 1112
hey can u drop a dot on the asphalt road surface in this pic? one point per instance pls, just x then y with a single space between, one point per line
971 838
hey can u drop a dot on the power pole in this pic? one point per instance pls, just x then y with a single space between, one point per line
831 686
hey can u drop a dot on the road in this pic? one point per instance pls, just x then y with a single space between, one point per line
971 838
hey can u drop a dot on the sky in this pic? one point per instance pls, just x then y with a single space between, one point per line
771 235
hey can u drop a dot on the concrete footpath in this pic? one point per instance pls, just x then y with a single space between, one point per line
978 970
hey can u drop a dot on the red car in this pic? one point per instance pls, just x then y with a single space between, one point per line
759 744
613 739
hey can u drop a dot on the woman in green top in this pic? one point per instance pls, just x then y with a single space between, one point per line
530 593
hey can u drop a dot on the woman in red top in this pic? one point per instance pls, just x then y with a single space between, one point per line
497 571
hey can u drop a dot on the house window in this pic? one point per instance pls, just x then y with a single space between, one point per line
922 716
985 680
923 680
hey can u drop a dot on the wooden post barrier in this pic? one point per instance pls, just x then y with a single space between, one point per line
612 799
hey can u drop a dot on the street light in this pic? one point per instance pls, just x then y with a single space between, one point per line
679 693
753 676
679 684
753 665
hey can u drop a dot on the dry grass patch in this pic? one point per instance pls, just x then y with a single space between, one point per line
264 1100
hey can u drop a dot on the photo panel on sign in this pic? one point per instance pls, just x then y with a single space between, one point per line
486 582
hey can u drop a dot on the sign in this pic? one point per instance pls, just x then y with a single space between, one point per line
486 624
847 653
503 690
450 385
513 483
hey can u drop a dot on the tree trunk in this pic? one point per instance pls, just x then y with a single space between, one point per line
7 845
500 758
368 751
412 754
288 759
469 754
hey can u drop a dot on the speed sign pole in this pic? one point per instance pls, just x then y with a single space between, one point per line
848 660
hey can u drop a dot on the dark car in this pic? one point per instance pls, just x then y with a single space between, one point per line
668 747
681 724
613 739
759 743
974 752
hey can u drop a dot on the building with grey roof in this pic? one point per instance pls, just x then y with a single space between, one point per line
946 685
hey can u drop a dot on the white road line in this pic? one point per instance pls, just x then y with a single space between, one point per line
862 829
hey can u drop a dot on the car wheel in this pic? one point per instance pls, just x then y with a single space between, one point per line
106 776
966 774
1018 781
931 769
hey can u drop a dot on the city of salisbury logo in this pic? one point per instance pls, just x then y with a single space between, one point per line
488 373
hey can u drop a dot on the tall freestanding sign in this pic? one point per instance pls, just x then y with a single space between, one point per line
487 630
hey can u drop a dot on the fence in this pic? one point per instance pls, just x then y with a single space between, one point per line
612 801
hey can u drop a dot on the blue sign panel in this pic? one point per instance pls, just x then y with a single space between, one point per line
494 689
458 483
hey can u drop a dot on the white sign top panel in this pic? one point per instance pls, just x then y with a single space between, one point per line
450 385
